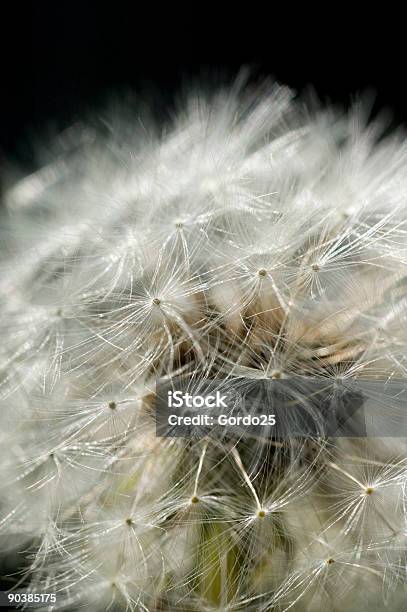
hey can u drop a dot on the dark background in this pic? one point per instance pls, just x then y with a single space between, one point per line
63 58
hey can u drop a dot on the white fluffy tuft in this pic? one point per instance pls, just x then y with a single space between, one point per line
251 240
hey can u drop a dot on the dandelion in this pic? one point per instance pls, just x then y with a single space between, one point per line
250 245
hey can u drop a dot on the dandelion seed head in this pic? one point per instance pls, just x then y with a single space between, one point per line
247 242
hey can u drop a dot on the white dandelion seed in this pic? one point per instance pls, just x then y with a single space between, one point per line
251 242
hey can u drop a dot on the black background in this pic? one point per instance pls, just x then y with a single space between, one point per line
62 58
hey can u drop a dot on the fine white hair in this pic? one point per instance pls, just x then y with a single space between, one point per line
254 238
